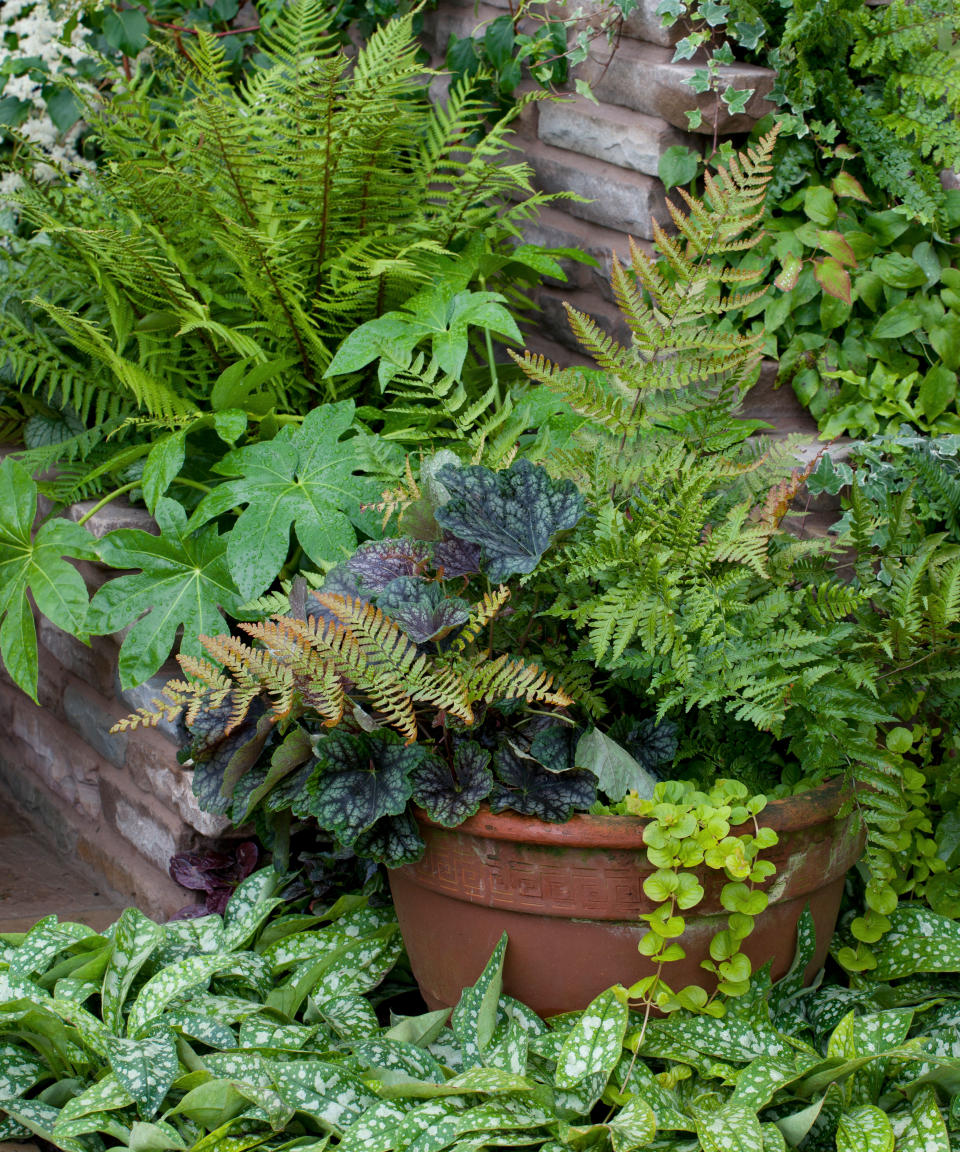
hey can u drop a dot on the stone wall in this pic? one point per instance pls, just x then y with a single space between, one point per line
609 153
118 806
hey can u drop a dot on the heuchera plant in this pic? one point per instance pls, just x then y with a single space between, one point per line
393 653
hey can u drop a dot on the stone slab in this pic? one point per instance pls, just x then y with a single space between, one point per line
608 132
644 78
614 197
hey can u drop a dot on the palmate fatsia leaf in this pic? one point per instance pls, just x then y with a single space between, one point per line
357 781
305 478
449 795
422 609
38 564
513 514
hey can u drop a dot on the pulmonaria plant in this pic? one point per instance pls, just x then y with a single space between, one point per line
393 653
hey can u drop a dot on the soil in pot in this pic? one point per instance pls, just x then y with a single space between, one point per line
569 896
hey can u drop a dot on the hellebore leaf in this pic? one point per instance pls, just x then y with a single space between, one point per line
183 582
36 563
393 840
527 787
450 795
422 609
358 780
306 477
453 557
377 562
513 515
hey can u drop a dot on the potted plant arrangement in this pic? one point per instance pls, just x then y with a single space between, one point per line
627 656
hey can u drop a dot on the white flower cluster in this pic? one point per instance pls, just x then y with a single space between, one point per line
32 29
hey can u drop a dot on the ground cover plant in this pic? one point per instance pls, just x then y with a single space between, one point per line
273 1029
862 227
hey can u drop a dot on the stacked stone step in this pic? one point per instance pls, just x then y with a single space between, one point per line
117 806
608 153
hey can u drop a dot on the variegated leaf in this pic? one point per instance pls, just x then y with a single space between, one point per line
104 1096
301 946
134 940
249 906
475 1017
351 1017
155 1137
632 1076
865 1129
421 1030
381 1053
45 940
509 1048
730 1129
595 1042
19 1071
634 1126
323 1091
197 1026
375 1130
262 1032
40 1119
146 1066
926 1130
359 966
174 980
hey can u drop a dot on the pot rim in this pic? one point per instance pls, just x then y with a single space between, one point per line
797 813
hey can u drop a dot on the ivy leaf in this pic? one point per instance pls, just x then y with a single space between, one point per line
306 477
359 780
393 840
736 99
422 609
451 795
377 562
513 515
145 1067
527 787
183 582
36 563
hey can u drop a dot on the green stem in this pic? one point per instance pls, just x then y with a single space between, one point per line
188 483
106 500
491 363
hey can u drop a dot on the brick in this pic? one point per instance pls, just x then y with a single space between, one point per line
644 78
92 663
608 132
778 406
553 227
137 880
152 764
643 23
617 198
92 716
152 829
51 750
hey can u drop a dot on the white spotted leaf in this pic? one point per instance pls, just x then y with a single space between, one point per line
475 1017
134 939
19 1071
104 1096
865 1129
594 1044
926 1130
351 1017
145 1067
634 1126
323 1091
730 1129
174 980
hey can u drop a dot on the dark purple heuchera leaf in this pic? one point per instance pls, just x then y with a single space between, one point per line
651 744
215 873
378 562
339 581
527 787
357 781
555 747
393 841
450 795
453 557
219 766
421 608
513 515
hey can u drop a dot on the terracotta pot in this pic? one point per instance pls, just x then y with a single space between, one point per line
569 896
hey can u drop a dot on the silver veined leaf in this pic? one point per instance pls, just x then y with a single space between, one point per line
594 1044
